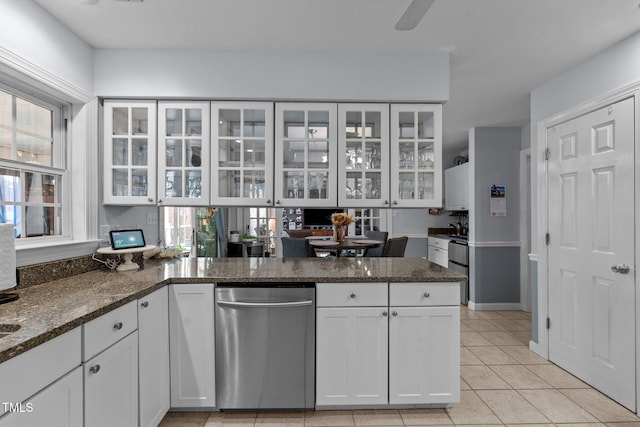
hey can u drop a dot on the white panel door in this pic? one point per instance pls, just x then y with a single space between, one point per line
60 404
591 229
351 356
111 385
191 345
153 354
424 355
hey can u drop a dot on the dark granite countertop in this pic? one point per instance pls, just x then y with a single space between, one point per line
48 310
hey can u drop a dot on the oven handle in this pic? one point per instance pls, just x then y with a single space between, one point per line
265 304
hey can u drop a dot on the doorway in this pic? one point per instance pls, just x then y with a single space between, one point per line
590 247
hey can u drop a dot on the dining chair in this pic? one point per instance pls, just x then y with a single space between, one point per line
255 250
294 247
311 252
395 247
376 235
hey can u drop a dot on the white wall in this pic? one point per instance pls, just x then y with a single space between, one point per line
612 69
334 76
29 32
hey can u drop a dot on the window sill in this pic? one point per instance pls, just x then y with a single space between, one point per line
46 250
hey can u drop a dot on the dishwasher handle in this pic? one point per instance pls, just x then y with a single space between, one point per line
265 304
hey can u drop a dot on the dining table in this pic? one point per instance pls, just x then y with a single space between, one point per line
353 243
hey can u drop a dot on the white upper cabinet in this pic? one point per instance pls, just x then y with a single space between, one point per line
183 153
306 155
416 155
363 155
242 159
456 188
130 152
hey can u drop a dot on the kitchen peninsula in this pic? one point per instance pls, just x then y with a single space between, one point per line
49 311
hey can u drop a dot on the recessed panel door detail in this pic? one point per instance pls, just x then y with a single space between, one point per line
591 251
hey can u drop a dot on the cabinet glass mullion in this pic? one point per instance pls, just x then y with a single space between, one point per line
130 143
416 156
363 138
184 160
243 134
306 135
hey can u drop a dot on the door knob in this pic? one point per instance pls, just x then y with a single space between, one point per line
621 268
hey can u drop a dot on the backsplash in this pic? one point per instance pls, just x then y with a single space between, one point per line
36 274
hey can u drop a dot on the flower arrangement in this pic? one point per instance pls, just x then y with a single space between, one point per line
339 219
340 222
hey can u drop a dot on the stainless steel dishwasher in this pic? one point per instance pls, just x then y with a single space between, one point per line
265 345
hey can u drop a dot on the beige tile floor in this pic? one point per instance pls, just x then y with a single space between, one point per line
503 384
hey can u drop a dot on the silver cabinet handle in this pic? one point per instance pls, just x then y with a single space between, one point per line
277 202
386 202
144 304
117 326
352 295
395 202
426 295
621 268
150 200
394 313
94 369
385 314
268 201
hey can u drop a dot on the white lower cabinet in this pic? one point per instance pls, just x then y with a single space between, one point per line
191 345
153 356
351 362
403 349
424 355
111 385
59 404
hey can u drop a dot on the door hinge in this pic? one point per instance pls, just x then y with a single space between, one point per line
548 323
547 239
547 154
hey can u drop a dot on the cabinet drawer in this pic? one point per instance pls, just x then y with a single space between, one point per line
33 370
439 256
368 294
107 329
439 243
424 294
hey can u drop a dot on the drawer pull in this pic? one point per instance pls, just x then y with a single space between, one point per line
117 326
385 314
144 304
94 369
352 295
394 313
426 295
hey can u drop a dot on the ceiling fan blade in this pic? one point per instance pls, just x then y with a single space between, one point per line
413 15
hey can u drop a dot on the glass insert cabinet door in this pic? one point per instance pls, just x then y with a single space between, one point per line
363 155
130 152
416 155
242 157
184 153
306 141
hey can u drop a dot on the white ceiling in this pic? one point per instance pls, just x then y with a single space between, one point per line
500 49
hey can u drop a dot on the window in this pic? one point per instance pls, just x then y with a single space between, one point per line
262 223
32 170
178 228
366 219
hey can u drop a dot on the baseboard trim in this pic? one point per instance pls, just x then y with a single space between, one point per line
538 349
495 306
